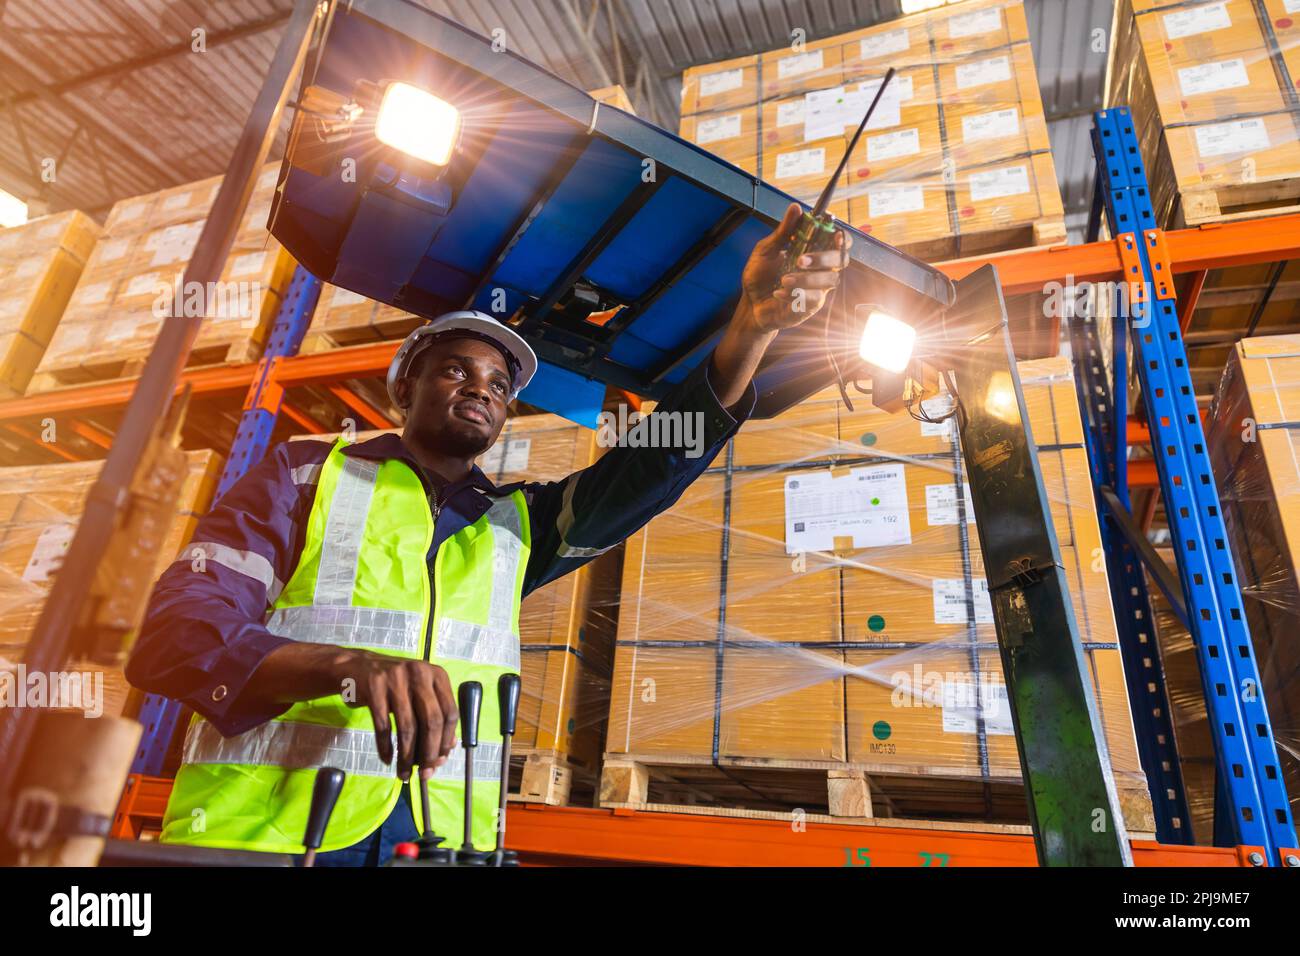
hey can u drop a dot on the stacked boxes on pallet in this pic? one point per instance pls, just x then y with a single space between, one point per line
1212 87
40 263
956 159
39 509
131 285
566 627
817 600
1254 441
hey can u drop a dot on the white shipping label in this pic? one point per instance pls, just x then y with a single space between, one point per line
50 230
511 455
717 83
1236 136
882 44
983 72
903 142
93 294
133 211
344 296
121 330
993 125
51 546
179 201
719 127
1291 6
894 199
148 282
799 64
176 243
112 249
803 162
1189 23
790 113
70 337
901 87
248 264
965 701
1212 77
941 504
828 112
973 24
9 308
868 504
950 601
996 183
28 268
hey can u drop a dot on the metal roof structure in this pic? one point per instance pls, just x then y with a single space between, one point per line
103 99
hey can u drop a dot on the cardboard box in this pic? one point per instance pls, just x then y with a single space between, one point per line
40 264
745 637
132 284
966 95
39 510
1213 114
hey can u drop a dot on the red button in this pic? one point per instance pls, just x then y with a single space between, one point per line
1284 23
968 211
409 851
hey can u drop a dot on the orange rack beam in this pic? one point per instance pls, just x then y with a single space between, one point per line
576 835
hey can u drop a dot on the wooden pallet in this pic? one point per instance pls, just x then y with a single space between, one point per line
239 352
324 340
1279 197
753 787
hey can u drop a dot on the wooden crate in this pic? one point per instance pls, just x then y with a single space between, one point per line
1212 91
131 286
801 665
956 160
40 263
39 510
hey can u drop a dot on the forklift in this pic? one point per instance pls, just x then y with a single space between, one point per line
430 171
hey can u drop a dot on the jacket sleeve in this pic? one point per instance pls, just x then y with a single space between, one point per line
591 511
203 633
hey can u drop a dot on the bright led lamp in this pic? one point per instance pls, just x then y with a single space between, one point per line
418 123
887 342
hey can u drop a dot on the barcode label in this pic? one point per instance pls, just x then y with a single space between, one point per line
895 199
1189 23
882 44
973 24
983 72
993 125
718 83
719 127
1236 136
903 142
1010 181
1212 77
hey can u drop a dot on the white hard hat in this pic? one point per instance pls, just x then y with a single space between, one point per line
472 321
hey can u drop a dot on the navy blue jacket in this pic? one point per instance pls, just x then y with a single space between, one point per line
204 632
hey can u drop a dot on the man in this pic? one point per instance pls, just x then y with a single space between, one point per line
340 592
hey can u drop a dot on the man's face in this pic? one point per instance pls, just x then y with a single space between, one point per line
455 400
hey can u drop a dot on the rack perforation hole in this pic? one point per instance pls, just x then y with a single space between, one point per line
1218 543
1183 512
1196 576
1214 651
1205 614
1227 578
1191 546
1243 651
1212 510
1236 614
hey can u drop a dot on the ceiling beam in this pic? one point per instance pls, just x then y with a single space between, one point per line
146 60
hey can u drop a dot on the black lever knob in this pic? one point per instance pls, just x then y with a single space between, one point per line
324 796
508 698
470 697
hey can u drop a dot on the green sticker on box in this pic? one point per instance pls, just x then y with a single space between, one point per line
876 622
881 730
868 438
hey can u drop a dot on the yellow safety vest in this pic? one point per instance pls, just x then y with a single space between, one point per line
362 581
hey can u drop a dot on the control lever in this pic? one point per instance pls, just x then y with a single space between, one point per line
470 698
508 698
425 848
324 795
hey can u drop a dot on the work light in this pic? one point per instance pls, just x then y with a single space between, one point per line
418 123
887 342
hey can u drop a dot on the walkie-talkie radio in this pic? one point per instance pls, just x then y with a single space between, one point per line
816 231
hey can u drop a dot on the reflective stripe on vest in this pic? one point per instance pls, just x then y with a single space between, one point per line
295 746
362 581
